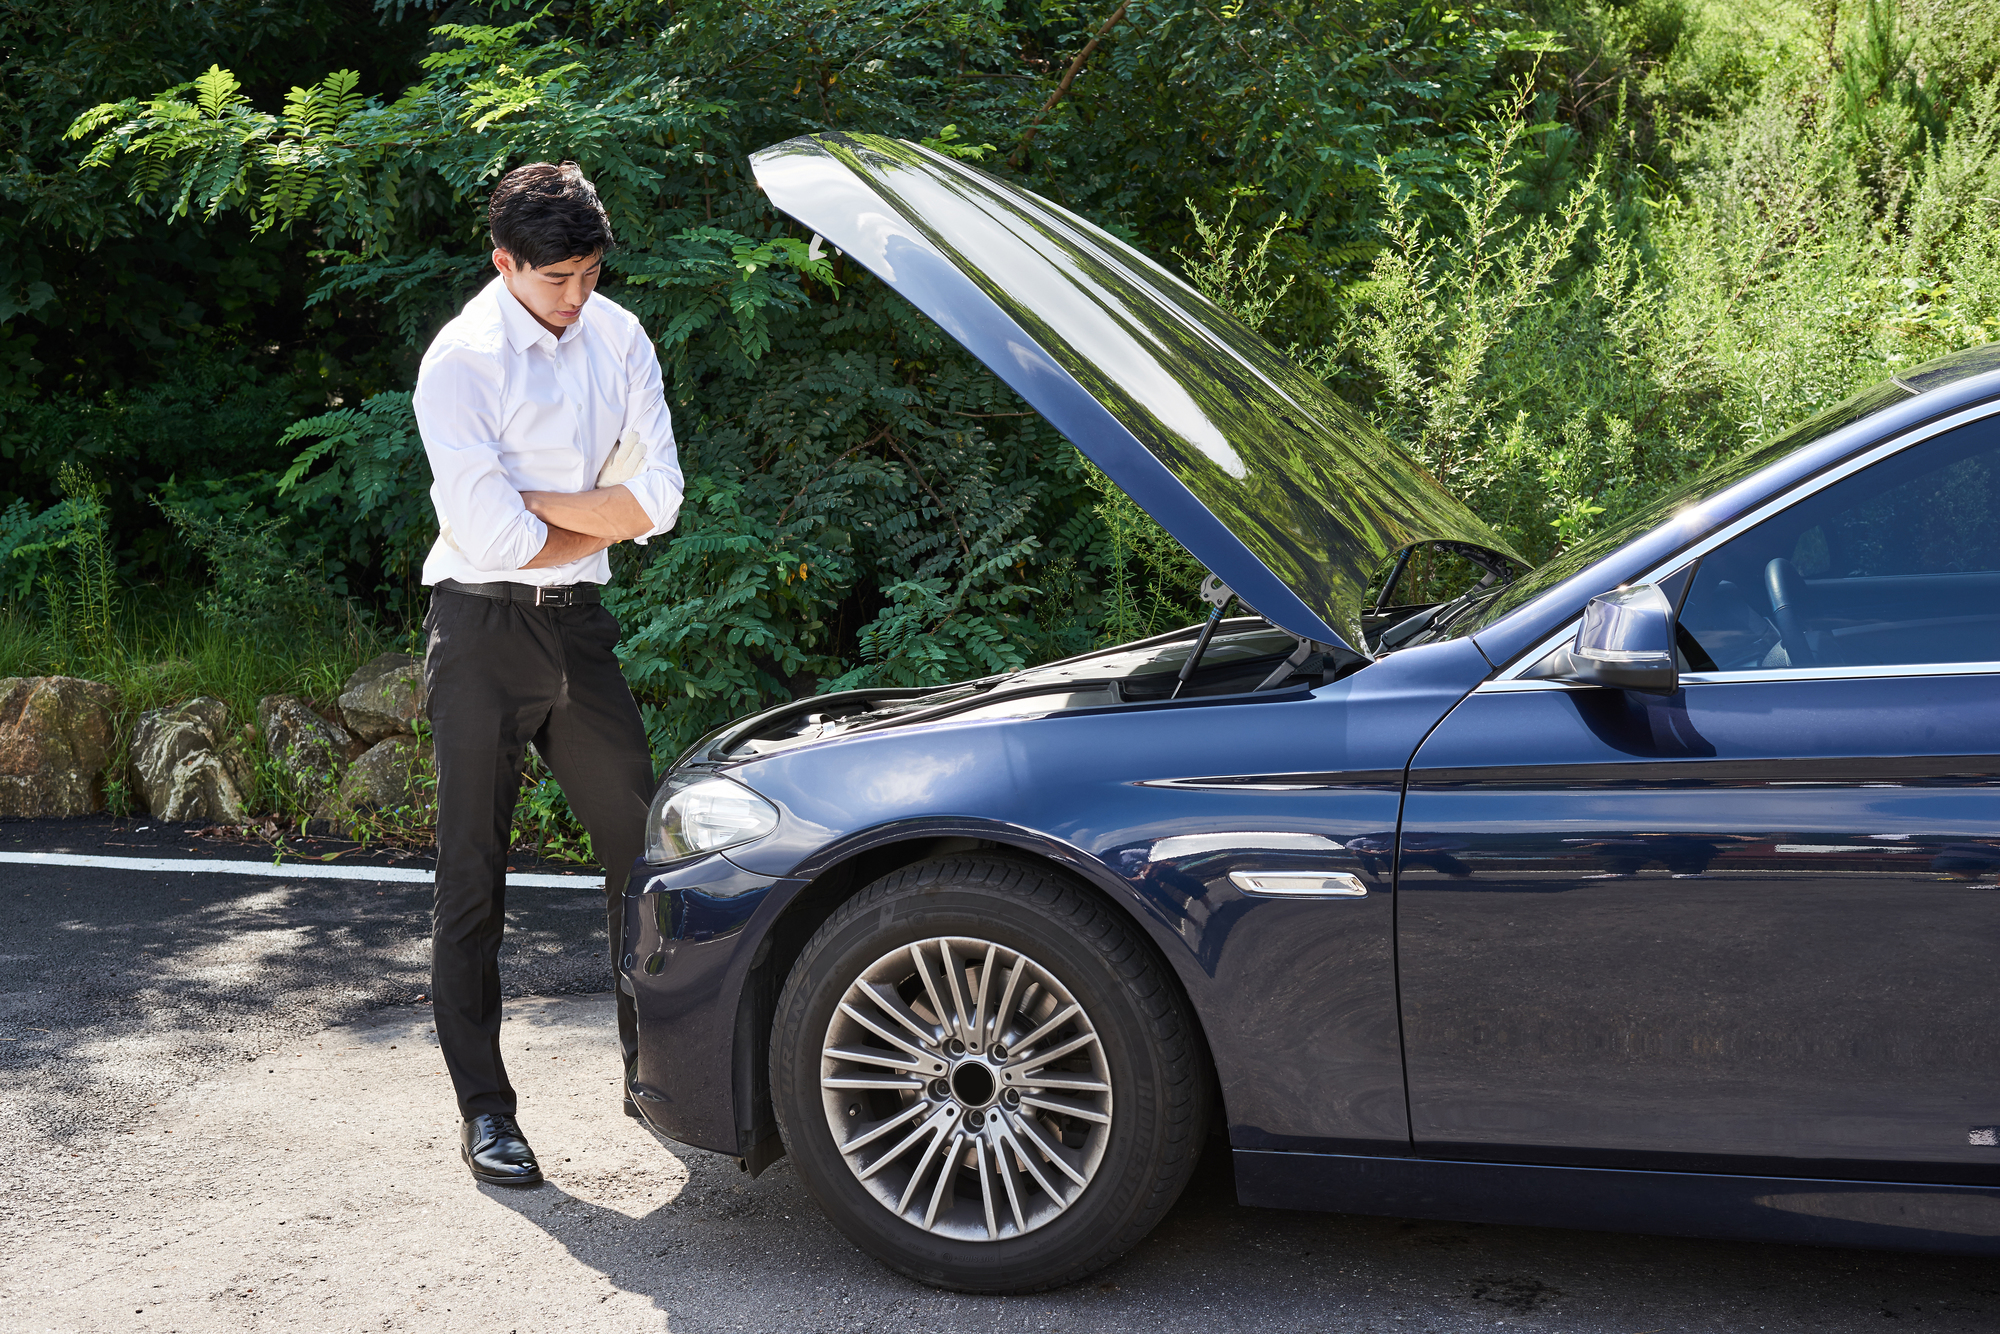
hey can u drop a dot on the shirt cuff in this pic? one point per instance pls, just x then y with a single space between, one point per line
659 498
514 546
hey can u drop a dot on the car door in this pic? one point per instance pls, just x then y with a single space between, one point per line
1755 925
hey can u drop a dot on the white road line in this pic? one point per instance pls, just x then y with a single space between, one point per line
288 871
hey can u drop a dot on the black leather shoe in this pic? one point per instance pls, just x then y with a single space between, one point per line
632 1109
494 1148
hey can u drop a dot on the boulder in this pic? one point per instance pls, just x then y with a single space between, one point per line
56 737
386 775
385 698
186 767
309 750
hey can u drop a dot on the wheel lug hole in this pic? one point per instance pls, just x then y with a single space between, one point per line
999 1053
955 1047
940 1089
1012 1097
975 1119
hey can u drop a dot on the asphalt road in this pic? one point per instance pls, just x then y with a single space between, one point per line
225 1111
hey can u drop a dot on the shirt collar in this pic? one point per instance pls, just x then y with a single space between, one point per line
523 329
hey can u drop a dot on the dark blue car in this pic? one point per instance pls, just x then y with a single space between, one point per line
1653 889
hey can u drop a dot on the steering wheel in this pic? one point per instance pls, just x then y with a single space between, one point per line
1787 589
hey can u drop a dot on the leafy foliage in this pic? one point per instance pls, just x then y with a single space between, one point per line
375 487
80 593
254 587
1567 252
149 348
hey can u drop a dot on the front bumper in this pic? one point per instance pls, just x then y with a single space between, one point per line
691 934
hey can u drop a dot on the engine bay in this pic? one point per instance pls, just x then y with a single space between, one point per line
1243 655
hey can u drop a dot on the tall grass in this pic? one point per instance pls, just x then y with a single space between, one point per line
26 648
161 652
164 652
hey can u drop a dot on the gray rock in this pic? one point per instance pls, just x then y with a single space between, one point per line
55 741
385 698
187 769
309 751
386 776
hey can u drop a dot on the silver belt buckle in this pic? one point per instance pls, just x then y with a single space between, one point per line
547 596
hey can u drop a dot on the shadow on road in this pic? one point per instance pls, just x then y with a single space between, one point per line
1246 1268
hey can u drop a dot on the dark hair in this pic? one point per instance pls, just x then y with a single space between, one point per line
545 213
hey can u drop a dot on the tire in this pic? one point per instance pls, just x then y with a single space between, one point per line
975 1200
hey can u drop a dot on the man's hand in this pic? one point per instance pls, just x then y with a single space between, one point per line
564 546
610 512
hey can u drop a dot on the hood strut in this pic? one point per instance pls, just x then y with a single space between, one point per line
1218 595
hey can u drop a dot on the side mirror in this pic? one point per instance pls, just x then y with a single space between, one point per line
1626 641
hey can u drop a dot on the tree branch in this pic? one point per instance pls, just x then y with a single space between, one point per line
925 483
1069 77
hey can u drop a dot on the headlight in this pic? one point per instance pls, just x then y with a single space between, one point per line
696 813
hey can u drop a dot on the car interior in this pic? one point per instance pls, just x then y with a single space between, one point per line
1896 565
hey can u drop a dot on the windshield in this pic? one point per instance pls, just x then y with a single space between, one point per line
1729 471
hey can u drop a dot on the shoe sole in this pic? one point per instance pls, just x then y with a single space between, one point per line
490 1179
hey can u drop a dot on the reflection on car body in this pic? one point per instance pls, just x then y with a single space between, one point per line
1646 889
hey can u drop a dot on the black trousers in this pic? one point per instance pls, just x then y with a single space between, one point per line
500 675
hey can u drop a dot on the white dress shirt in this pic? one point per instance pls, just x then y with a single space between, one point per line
505 407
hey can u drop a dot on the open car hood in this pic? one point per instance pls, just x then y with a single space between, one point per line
1252 464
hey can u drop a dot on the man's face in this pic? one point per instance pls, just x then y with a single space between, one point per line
553 295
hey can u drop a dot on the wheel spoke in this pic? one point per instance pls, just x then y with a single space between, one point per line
979 1005
933 1123
980 1147
881 1032
1028 1126
947 1174
892 1005
1013 1194
1043 1058
939 1126
888 1060
938 1007
1026 1159
1062 1106
1049 1026
954 978
1074 1083
867 1137
1004 1010
870 1082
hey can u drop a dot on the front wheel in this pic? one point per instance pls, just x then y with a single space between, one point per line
987 1079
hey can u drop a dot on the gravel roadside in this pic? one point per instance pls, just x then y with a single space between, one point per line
228 1113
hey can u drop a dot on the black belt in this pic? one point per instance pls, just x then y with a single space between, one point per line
540 595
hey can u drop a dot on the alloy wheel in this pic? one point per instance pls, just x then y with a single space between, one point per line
966 1088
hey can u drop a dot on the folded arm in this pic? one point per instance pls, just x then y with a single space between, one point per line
564 546
610 512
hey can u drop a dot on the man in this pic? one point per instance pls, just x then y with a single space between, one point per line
549 440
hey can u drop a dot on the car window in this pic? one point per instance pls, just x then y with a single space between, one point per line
1897 565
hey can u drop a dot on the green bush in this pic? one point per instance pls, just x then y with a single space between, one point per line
1568 254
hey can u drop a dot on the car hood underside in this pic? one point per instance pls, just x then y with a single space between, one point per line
1253 465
